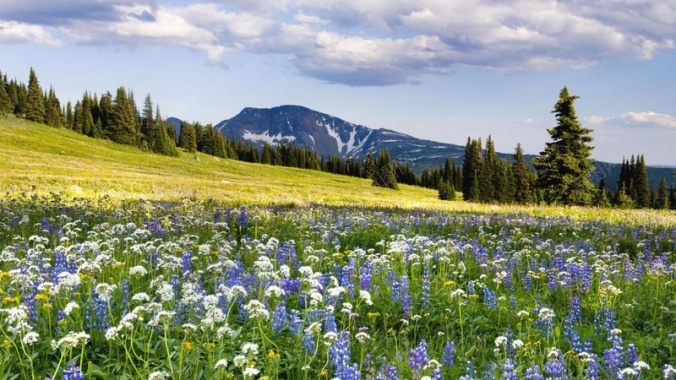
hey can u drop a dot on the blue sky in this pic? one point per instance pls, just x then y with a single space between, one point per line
435 69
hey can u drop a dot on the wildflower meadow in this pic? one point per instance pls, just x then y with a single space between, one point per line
205 290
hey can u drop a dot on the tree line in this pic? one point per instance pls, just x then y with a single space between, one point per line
561 172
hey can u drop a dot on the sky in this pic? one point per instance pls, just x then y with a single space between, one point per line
434 69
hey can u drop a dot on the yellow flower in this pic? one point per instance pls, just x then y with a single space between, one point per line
373 314
47 306
62 323
449 283
10 300
4 275
325 372
40 297
272 354
118 265
187 345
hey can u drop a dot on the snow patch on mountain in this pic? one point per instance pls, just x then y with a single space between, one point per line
266 137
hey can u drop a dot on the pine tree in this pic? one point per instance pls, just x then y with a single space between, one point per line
186 139
149 140
471 168
166 144
641 188
369 166
565 165
122 127
35 106
53 115
5 102
446 191
521 174
662 198
384 175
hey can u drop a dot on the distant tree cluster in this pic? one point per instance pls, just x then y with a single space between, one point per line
487 178
114 118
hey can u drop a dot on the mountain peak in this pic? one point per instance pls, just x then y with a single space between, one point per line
331 136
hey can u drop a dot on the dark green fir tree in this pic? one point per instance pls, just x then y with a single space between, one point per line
565 165
35 105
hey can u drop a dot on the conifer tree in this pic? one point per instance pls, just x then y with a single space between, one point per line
166 143
35 105
521 174
565 165
53 114
186 139
148 139
662 198
641 188
5 102
384 175
471 168
122 128
369 166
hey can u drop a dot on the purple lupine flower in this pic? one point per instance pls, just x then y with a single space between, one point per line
418 357
533 373
489 298
509 370
280 319
449 353
426 288
72 373
405 297
592 370
339 354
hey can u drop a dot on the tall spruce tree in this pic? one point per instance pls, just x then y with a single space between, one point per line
471 168
123 121
564 167
662 198
35 105
641 189
5 102
521 173
384 175
187 139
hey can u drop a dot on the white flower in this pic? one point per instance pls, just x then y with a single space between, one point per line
517 343
165 292
457 293
255 309
222 363
629 372
138 270
546 314
366 296
158 375
522 313
140 297
362 337
72 305
274 292
30 338
239 360
639 365
250 348
500 341
250 371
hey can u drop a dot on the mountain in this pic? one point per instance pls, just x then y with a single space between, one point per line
329 135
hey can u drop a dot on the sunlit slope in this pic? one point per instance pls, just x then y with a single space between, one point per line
38 158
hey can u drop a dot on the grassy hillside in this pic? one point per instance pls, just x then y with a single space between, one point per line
37 159
42 159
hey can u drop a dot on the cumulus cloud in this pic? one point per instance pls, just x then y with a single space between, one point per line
636 119
362 43
15 32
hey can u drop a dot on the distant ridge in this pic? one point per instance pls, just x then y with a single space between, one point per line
331 136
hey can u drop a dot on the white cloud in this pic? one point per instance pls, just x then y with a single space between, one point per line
14 32
374 42
636 119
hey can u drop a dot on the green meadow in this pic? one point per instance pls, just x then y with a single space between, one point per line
122 264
